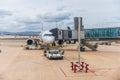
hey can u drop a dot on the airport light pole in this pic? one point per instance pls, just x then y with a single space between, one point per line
79 38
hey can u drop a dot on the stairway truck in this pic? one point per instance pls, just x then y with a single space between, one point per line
93 47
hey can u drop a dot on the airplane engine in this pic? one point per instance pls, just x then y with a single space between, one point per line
30 41
60 42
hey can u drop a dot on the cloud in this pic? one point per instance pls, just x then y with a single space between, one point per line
82 10
4 13
32 28
116 18
61 8
27 21
58 17
30 14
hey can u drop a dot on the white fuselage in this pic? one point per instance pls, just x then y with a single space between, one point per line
47 37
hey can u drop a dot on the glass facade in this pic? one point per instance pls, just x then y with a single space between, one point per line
102 33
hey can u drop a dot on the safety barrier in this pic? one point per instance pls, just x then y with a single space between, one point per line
83 66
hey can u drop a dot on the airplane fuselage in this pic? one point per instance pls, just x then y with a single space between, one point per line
47 37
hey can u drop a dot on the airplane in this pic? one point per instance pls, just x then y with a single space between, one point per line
45 38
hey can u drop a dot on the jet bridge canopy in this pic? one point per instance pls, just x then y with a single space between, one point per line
103 33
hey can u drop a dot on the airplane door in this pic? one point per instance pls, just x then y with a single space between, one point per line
69 34
60 34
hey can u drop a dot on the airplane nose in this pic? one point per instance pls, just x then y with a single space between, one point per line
49 40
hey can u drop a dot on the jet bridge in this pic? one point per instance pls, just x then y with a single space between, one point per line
71 36
101 34
87 35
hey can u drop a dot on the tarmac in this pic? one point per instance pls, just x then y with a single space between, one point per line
19 64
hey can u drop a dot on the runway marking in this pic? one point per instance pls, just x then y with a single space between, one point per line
74 73
92 71
63 72
102 69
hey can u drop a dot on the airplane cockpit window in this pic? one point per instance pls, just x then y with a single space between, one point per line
48 34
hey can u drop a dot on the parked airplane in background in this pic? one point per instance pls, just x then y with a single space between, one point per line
44 38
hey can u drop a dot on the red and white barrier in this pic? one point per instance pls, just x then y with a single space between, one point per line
83 66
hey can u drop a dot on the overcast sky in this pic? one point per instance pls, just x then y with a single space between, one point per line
29 15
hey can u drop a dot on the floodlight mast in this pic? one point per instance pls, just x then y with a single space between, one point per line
79 38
